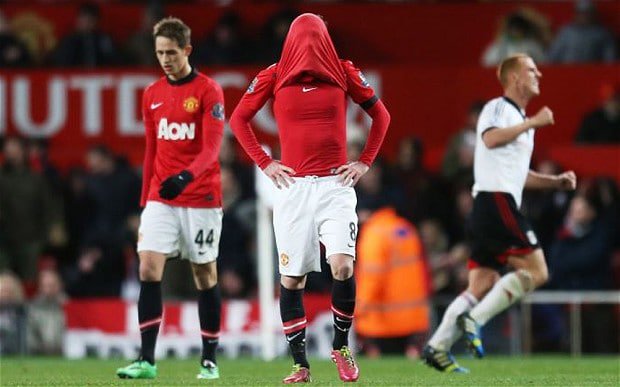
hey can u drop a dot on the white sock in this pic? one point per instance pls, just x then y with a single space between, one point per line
503 294
448 333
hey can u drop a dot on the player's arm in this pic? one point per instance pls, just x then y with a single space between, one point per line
257 94
364 95
494 136
212 131
565 181
150 149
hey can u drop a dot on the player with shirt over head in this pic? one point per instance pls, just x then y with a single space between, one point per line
498 233
184 120
316 202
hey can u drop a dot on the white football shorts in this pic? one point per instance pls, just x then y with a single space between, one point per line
191 233
314 209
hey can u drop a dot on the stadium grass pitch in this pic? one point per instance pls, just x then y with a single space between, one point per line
493 371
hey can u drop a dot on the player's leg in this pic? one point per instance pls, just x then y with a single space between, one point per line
437 352
337 222
209 311
149 315
294 323
530 272
201 230
343 306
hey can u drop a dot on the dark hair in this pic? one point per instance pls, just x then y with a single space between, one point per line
173 28
90 9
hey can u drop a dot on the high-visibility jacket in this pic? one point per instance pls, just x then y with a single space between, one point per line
392 278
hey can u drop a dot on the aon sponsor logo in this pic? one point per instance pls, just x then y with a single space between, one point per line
175 131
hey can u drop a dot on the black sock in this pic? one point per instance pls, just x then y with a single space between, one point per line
343 305
149 316
294 323
209 310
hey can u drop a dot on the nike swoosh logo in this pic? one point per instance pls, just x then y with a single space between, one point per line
307 89
350 245
156 105
202 252
289 338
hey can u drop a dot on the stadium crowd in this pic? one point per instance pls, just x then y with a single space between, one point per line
72 234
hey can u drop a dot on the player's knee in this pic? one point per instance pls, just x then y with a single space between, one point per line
531 279
342 269
540 276
151 267
205 275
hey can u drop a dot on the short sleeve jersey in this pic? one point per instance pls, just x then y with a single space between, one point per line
311 117
505 168
184 122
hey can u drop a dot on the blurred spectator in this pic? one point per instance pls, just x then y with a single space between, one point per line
27 212
12 315
226 45
580 257
427 196
87 45
236 267
140 46
583 40
229 157
447 267
392 313
373 193
46 317
521 31
602 126
98 272
13 52
458 161
79 207
274 33
114 189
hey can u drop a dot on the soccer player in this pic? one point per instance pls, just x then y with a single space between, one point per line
499 234
316 201
181 195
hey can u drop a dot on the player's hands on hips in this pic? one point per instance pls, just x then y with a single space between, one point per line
280 174
350 173
567 181
174 185
544 117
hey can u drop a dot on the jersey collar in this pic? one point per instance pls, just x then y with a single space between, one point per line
187 79
513 103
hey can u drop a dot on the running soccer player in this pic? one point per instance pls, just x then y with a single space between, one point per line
499 234
181 195
316 201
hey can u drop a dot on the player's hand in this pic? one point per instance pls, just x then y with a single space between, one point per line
350 173
544 117
174 185
567 181
280 174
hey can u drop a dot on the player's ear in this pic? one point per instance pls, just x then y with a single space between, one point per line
187 49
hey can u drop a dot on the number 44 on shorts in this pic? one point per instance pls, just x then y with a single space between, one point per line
200 239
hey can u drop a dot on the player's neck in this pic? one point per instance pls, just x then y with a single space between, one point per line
187 69
518 98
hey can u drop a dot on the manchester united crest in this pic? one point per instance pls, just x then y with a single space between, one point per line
284 259
191 104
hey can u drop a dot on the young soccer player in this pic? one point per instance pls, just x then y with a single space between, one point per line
499 234
181 195
316 201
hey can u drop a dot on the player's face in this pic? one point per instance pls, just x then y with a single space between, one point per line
529 77
172 58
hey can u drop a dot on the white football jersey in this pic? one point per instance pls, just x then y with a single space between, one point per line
505 168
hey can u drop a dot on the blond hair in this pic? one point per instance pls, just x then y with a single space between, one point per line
508 65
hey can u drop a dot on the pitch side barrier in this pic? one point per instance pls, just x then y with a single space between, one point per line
575 300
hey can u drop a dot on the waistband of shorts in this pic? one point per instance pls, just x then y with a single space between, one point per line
315 179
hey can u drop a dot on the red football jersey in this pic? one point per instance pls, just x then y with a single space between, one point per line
311 118
184 123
